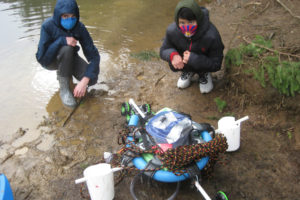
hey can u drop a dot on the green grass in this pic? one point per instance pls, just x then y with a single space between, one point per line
212 118
290 135
221 104
84 165
146 55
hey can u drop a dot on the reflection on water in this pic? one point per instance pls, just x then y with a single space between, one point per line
24 15
118 28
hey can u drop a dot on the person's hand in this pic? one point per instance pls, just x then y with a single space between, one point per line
186 57
80 89
177 62
71 41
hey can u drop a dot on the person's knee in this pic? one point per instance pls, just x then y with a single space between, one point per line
67 48
66 51
51 66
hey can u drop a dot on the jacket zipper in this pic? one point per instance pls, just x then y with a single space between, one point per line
190 45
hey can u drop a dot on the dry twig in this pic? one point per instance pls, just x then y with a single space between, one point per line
265 8
260 12
73 111
156 83
253 3
289 10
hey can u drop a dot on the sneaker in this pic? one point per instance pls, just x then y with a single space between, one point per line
184 80
205 83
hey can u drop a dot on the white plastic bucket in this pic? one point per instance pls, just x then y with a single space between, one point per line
231 130
100 181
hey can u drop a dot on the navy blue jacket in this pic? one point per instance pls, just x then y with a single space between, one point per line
53 37
206 45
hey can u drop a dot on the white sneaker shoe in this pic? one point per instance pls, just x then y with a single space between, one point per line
205 83
184 80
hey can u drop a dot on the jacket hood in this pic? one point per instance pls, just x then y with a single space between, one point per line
201 13
65 6
191 4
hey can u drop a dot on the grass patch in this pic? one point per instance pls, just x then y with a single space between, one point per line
84 165
145 55
212 118
229 114
290 135
221 104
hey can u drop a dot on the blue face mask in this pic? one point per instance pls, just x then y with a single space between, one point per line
68 23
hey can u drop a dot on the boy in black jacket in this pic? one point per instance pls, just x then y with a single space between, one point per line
193 45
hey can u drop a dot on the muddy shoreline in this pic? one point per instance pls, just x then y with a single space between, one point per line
49 167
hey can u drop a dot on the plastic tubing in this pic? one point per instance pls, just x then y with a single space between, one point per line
241 120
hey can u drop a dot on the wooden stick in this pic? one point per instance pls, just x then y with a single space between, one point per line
72 112
156 83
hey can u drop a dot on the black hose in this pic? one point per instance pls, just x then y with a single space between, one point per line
132 184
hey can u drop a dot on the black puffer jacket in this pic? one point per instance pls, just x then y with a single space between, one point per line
206 45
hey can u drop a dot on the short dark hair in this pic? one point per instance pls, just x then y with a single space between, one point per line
186 13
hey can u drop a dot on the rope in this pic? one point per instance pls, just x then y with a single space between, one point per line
83 196
184 155
133 183
175 159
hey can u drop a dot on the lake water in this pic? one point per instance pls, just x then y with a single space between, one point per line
118 28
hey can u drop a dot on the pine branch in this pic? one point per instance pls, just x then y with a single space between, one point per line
269 49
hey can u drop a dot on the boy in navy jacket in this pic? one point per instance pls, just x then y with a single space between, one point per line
58 50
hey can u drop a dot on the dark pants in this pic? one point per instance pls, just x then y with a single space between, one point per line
68 63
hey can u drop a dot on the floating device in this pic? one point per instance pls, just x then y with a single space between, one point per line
5 189
168 176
